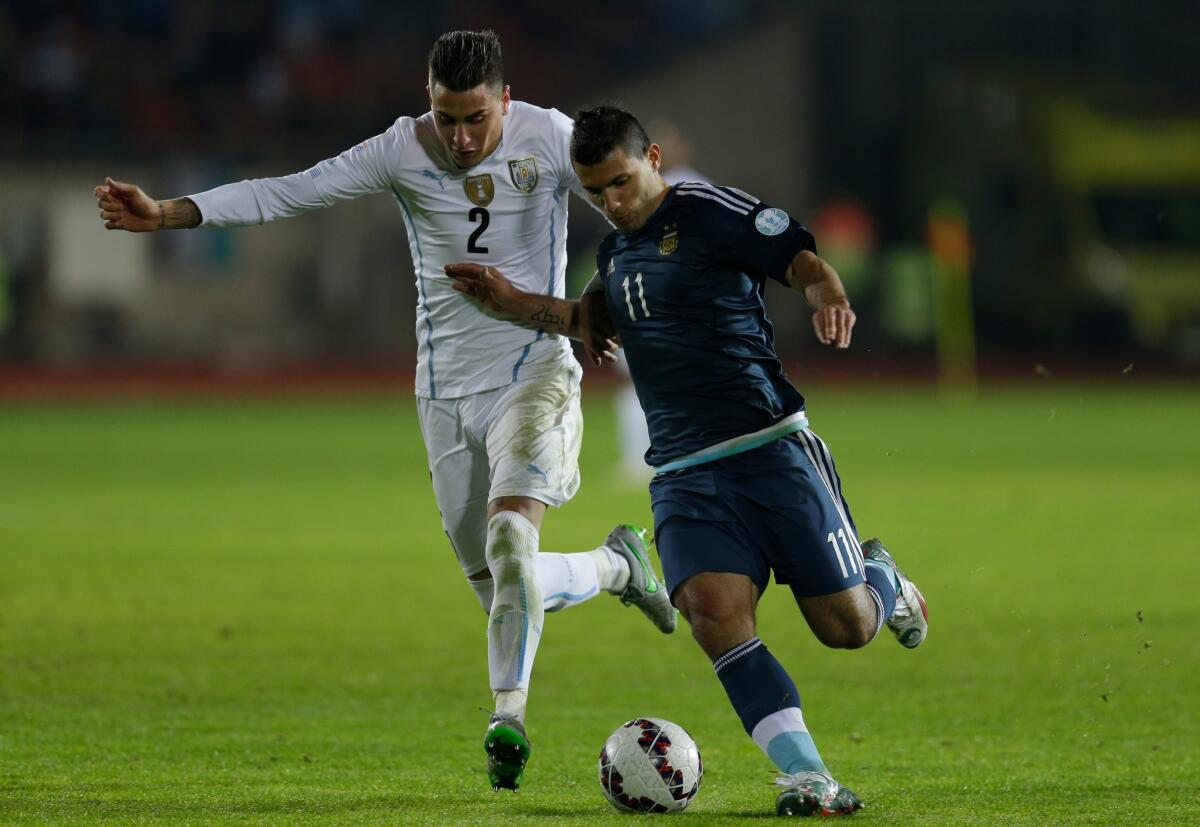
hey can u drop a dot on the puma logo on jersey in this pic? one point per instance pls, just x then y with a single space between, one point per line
441 179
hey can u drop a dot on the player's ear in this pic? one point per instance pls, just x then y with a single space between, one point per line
654 156
505 100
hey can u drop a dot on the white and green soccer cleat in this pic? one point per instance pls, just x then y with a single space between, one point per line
910 621
508 750
644 589
814 794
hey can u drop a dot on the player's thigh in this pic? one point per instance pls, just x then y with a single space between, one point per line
798 512
534 432
459 470
696 531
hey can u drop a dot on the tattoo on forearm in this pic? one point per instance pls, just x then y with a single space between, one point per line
548 317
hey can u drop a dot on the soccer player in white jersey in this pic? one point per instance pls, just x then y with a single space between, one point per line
482 178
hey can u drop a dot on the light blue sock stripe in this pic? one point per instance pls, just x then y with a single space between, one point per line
524 632
574 598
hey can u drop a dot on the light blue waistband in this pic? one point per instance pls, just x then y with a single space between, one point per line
739 444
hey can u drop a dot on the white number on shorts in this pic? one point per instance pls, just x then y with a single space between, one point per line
832 539
641 298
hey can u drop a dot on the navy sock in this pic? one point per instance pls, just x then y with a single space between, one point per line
765 698
881 585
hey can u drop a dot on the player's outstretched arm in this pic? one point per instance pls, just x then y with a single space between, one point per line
833 320
596 329
126 207
493 290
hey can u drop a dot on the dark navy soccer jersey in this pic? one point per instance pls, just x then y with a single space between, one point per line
685 293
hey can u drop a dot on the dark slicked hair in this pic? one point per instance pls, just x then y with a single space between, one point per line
601 129
462 60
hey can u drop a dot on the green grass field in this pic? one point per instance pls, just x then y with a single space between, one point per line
247 612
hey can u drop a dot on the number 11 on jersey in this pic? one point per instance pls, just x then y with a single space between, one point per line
641 298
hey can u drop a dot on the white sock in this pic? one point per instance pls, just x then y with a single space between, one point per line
484 591
565 580
612 570
511 702
515 622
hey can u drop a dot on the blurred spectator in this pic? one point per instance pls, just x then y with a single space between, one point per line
290 77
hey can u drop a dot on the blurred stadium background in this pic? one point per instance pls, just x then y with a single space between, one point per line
244 609
1023 173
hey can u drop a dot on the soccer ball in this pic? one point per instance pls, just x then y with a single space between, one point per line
650 766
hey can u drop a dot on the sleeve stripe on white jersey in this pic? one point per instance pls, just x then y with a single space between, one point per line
745 196
737 207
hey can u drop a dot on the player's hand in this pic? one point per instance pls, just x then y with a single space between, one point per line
833 325
125 207
487 285
596 329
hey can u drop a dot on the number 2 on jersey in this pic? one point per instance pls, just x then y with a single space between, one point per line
641 298
472 243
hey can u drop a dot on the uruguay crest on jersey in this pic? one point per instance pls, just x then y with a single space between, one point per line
524 173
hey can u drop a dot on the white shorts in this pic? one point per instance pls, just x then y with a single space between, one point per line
521 440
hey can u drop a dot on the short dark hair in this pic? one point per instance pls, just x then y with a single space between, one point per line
601 129
462 60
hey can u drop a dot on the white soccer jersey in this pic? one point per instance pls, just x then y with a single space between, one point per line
509 211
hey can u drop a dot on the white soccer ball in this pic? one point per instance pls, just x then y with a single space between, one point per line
650 766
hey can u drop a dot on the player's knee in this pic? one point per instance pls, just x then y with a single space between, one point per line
718 635
846 632
511 542
715 623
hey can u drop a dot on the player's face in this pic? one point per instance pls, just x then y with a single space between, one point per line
627 187
469 122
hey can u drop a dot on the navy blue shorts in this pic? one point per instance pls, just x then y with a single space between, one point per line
776 508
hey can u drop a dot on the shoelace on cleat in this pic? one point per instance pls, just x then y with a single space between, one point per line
811 781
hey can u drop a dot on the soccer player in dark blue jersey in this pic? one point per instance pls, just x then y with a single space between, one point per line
742 487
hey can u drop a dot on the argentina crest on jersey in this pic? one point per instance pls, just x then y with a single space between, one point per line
524 173
480 189
669 243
